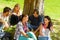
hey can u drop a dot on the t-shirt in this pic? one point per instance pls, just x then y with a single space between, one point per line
45 32
14 19
35 21
5 19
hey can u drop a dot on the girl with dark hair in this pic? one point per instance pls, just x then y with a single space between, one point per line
22 29
46 28
48 22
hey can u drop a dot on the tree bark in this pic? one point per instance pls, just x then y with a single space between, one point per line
41 7
28 7
39 4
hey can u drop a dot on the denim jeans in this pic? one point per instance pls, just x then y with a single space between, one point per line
43 38
34 27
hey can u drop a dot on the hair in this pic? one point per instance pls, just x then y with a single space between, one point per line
15 6
22 16
50 22
6 9
35 10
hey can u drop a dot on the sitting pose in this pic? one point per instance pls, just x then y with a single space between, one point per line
35 20
22 29
14 18
3 35
5 16
46 28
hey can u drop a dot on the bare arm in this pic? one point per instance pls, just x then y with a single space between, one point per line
20 27
40 31
24 34
38 28
51 28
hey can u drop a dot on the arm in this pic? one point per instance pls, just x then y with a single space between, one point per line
36 30
6 26
41 21
24 34
51 28
20 27
40 31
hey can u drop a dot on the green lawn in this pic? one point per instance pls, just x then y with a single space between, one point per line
10 3
52 8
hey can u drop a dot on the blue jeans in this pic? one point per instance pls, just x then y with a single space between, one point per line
43 38
34 27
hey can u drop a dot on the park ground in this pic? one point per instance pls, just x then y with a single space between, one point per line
51 8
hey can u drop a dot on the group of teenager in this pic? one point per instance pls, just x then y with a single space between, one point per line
28 27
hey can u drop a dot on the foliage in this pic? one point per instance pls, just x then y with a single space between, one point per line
56 34
51 8
11 30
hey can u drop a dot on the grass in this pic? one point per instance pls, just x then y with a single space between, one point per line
52 8
10 3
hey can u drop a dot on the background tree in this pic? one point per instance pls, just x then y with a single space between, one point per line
30 5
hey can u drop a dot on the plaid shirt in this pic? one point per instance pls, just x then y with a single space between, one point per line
19 28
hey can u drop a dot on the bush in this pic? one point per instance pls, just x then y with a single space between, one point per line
11 30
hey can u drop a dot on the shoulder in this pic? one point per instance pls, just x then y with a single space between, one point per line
31 17
20 23
13 16
40 16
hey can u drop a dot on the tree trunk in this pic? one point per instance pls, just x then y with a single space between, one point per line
28 7
39 4
41 7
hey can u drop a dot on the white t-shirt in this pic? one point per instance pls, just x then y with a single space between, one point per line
5 19
19 13
46 33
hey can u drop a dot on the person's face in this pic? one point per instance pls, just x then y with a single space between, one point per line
46 21
17 8
25 18
7 13
35 14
